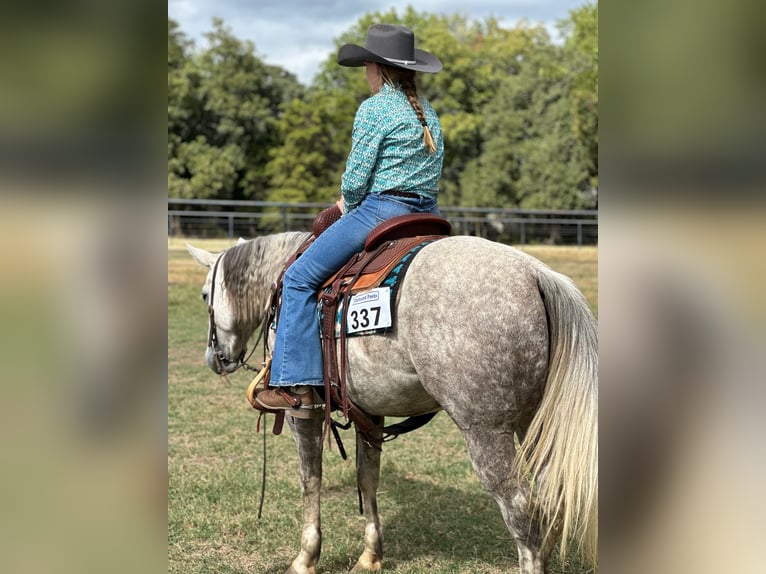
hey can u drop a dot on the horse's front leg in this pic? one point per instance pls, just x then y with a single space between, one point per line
308 437
367 478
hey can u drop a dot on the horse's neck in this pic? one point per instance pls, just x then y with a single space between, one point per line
277 249
250 270
270 259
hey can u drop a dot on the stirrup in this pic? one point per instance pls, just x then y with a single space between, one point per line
259 382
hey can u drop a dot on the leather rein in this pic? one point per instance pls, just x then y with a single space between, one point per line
212 334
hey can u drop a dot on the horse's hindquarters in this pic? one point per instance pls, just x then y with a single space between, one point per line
475 329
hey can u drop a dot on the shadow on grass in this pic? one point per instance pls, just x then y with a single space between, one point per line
422 520
448 527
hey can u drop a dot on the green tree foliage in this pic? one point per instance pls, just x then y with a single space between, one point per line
308 162
581 54
519 114
223 107
531 157
479 57
178 46
539 130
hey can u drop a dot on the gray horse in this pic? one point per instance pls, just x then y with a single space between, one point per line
492 336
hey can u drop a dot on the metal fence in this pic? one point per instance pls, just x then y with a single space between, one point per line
206 218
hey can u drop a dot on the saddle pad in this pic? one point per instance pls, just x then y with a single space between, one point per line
392 281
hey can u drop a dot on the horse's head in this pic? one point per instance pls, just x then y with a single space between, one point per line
237 291
227 331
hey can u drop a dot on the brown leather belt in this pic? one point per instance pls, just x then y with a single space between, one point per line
397 193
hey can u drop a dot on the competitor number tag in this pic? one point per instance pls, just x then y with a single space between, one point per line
369 310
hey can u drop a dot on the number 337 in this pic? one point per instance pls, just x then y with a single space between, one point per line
361 318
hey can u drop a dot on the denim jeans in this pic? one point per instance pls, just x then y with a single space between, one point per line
297 357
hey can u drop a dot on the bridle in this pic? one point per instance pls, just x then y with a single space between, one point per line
212 334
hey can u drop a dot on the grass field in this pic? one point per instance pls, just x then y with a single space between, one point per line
436 517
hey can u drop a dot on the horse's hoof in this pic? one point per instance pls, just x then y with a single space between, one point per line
372 568
367 563
309 570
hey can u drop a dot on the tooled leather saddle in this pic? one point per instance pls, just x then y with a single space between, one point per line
384 249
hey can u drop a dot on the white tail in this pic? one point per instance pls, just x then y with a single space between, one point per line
560 450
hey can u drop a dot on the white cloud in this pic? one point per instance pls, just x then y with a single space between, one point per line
183 9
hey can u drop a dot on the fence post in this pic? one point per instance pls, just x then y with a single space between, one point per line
523 238
283 210
231 226
579 234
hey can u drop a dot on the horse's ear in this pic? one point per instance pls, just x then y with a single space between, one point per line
241 240
204 258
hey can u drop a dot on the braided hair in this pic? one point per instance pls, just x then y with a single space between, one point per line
406 80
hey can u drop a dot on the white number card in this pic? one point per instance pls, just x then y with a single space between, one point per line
369 310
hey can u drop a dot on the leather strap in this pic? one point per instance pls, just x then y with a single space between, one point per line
279 421
291 400
397 193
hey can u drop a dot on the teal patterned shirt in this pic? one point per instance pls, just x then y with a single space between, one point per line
387 149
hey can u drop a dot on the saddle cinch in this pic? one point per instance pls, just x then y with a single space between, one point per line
388 250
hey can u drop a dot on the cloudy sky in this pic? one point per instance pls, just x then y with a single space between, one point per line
299 34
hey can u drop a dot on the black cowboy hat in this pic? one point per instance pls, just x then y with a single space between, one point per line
390 45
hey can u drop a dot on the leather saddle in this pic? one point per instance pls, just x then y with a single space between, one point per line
385 247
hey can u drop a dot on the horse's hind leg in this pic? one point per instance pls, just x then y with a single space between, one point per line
367 478
308 438
492 453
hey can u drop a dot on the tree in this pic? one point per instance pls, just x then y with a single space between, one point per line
178 46
531 155
179 104
480 57
315 140
581 53
223 107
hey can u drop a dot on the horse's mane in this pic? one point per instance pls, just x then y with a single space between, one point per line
250 267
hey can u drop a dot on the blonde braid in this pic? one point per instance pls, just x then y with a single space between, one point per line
406 79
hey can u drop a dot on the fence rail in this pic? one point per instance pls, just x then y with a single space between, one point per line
230 218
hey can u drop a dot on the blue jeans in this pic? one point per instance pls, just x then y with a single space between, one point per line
297 357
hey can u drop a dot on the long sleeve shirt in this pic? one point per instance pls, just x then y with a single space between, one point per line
387 149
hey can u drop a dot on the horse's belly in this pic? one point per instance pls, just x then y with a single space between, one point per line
375 398
382 380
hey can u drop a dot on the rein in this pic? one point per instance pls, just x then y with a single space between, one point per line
212 333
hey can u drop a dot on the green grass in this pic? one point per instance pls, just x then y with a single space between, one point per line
436 516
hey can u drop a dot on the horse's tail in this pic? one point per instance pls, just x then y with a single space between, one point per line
560 449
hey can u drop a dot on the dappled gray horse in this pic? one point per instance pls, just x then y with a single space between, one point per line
500 342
